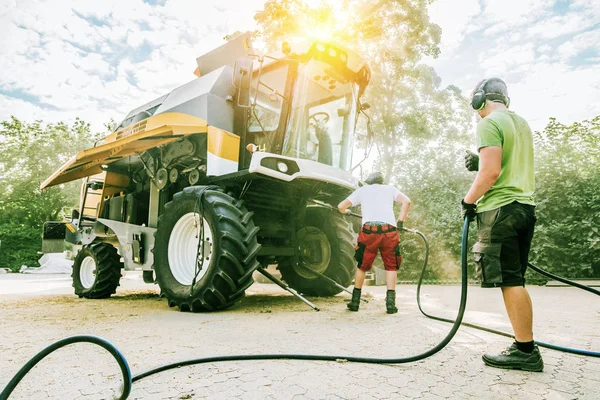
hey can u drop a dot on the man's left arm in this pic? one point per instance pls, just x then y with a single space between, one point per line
344 206
405 201
489 171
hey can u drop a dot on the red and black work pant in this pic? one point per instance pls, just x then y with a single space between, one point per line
382 238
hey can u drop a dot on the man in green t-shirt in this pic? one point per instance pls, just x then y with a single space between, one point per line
505 211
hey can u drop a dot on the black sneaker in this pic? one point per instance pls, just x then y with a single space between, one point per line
513 358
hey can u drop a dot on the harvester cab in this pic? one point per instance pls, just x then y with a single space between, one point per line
228 173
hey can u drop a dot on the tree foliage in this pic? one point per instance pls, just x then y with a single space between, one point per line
393 36
567 238
422 130
30 153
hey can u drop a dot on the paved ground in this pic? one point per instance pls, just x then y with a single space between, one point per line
36 310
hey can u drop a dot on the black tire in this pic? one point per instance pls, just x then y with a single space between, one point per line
106 264
340 238
233 252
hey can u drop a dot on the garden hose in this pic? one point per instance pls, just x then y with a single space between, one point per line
128 379
497 332
125 371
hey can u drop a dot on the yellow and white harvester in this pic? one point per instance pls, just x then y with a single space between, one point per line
233 171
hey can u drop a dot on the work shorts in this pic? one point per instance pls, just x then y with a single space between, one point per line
503 242
372 242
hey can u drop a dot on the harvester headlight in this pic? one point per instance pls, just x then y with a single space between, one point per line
320 47
282 167
332 52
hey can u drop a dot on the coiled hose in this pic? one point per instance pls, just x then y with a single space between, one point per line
497 332
128 379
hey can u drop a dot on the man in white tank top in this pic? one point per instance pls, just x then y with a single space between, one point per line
379 233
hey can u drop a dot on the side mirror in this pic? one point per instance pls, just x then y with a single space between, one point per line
242 78
364 106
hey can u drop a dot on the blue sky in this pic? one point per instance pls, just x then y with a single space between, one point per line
97 60
547 51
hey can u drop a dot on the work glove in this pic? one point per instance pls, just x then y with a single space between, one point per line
471 161
468 210
400 225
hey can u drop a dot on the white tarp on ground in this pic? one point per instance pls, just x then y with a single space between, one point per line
50 263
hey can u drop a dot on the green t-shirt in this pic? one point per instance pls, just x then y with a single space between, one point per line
516 181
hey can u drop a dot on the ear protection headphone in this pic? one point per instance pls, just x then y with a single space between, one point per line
374 177
479 97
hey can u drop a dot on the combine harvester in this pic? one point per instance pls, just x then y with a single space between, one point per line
233 171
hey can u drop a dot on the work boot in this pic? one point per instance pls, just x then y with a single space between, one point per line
513 358
390 302
355 302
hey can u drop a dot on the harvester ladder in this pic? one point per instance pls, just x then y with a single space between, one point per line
87 193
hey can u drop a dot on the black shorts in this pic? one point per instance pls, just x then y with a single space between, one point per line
503 243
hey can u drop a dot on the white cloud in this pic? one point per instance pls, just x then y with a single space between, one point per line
453 20
98 60
502 60
78 58
561 25
513 12
555 90
536 48
584 41
545 48
503 16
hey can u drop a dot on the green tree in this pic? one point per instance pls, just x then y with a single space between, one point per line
421 129
30 153
567 237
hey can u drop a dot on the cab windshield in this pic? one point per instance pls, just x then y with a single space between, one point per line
264 118
323 116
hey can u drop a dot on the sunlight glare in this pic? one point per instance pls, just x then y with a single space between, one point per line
329 24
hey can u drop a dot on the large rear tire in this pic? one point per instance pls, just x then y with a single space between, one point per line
326 245
228 253
96 271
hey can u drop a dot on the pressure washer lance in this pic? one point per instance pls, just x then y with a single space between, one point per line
308 269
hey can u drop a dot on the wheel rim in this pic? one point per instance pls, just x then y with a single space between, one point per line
315 252
87 272
183 247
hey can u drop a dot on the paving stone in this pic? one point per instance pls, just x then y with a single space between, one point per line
456 372
556 395
563 386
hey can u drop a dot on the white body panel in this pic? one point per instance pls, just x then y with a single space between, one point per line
219 166
308 170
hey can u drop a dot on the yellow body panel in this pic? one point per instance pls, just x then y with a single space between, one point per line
223 144
151 132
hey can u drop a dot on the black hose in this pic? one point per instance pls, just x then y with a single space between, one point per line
563 280
128 380
125 371
490 330
441 345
